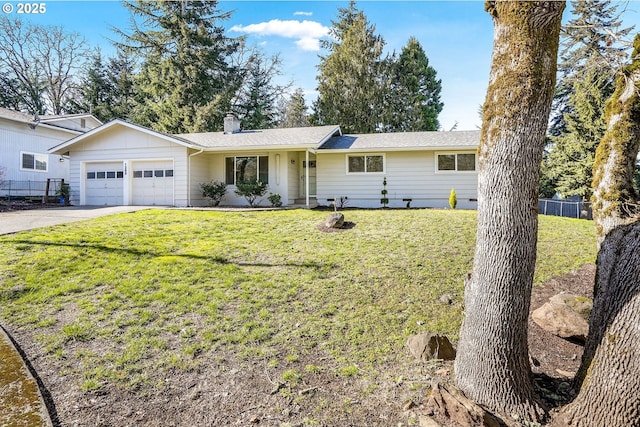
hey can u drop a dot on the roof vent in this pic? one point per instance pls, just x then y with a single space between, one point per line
231 123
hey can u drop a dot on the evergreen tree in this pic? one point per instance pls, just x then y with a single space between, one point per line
588 63
257 101
350 80
590 40
185 82
294 112
414 95
120 75
94 89
569 164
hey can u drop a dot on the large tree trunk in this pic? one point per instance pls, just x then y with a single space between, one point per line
492 366
609 377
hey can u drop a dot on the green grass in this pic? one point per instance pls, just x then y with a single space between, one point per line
155 289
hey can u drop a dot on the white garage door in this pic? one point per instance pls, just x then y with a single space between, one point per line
104 184
153 183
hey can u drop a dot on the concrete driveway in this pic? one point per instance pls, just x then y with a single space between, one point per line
15 221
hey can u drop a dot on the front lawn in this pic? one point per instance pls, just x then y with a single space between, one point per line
125 303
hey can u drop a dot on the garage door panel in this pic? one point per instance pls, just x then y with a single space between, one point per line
153 183
104 184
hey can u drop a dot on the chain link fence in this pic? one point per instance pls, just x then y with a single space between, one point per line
565 208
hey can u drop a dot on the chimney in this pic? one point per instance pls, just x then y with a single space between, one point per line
231 124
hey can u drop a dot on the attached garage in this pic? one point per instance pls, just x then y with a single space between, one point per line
104 184
152 183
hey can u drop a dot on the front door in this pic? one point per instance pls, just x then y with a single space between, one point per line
312 175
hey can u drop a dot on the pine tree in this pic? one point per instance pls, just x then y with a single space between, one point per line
120 75
414 95
259 95
590 40
592 53
294 111
185 82
349 83
569 165
94 89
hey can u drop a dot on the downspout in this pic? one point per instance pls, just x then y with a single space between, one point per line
306 177
189 176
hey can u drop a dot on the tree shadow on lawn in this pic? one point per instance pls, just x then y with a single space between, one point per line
214 259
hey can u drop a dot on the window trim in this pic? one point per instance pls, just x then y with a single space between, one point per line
36 156
456 171
365 155
235 157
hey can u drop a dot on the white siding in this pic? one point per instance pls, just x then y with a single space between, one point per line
409 174
293 172
18 137
278 176
127 145
200 174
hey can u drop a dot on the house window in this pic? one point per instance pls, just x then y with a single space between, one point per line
34 162
365 164
137 174
246 168
460 162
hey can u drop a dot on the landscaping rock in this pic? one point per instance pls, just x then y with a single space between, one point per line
561 319
579 304
428 346
335 220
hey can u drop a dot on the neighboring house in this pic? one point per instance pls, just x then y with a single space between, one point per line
24 149
120 163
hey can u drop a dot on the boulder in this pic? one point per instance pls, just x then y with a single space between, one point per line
335 220
579 304
560 318
428 346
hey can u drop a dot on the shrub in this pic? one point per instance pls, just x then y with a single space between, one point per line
214 191
252 191
275 200
384 200
453 200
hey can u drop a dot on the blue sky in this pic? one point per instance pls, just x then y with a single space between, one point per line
457 37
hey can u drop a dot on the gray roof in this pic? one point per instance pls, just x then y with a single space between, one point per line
309 137
16 115
405 141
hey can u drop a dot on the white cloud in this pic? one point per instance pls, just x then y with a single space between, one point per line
302 13
307 33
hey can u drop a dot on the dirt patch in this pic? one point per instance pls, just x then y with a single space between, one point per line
224 389
24 205
347 225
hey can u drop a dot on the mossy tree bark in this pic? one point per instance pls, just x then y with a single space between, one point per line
492 365
609 377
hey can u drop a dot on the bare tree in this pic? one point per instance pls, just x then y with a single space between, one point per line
39 65
492 365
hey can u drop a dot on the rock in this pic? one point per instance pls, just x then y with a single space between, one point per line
446 299
335 220
579 304
425 421
451 403
428 346
561 320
